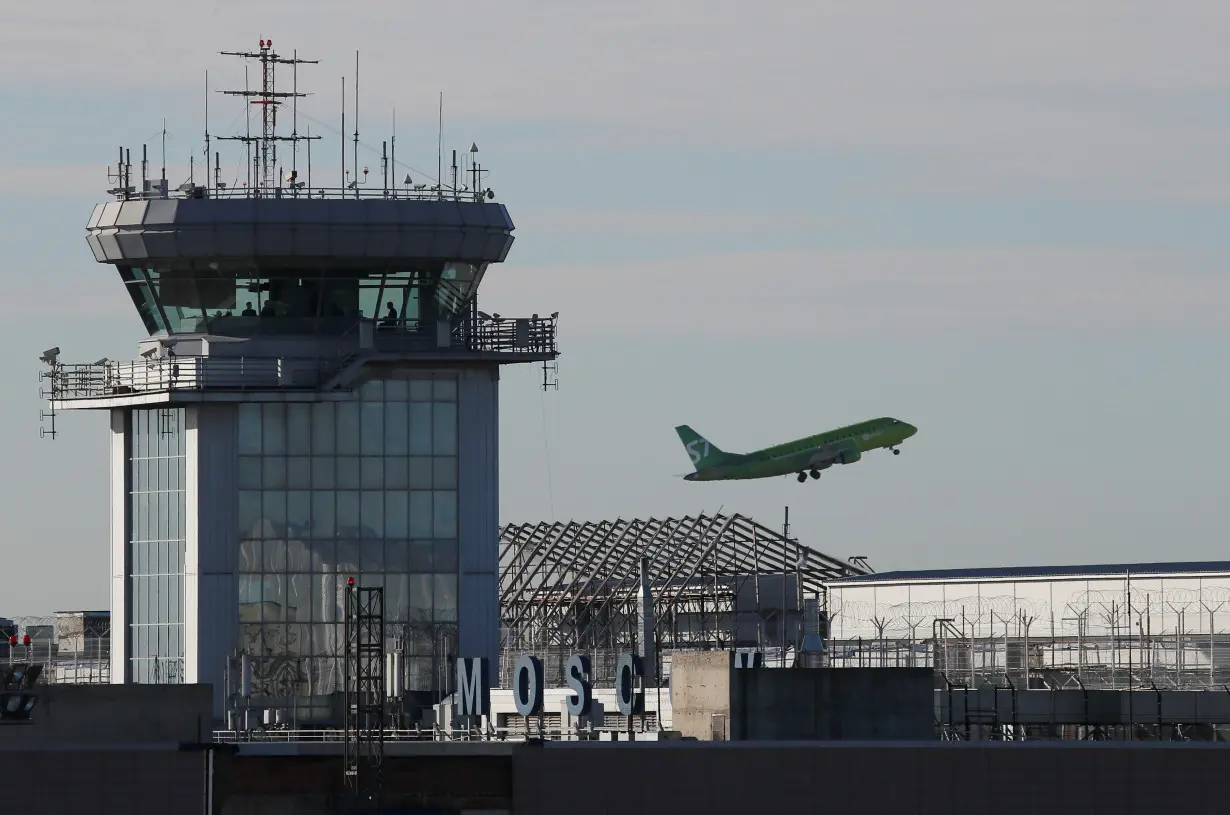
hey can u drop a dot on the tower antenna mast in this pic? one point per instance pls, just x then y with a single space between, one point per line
163 177
207 129
440 149
269 98
294 119
355 177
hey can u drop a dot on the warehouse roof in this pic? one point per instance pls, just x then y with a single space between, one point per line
1009 572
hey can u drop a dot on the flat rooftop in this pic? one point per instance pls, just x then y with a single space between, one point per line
1009 572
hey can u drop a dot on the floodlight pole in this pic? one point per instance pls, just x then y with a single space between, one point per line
785 538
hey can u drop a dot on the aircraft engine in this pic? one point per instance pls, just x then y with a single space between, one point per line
850 455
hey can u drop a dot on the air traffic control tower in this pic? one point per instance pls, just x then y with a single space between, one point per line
317 398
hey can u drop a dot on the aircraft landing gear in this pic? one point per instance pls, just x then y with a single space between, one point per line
815 473
802 477
896 452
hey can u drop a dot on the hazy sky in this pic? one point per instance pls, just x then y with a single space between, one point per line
1006 223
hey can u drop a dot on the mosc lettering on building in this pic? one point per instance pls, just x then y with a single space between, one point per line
474 691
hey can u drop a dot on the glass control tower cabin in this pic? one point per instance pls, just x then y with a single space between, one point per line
317 399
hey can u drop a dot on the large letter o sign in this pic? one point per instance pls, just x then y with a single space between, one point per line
527 685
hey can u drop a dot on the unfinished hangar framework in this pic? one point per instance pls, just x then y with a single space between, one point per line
716 581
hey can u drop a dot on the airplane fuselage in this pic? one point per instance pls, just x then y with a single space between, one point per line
806 455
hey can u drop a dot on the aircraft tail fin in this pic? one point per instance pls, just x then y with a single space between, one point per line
703 452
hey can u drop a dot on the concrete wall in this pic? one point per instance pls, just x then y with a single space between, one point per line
87 716
646 778
109 748
700 693
712 699
852 778
134 782
772 704
435 777
959 707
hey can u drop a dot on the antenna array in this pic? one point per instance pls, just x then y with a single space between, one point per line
265 162
265 175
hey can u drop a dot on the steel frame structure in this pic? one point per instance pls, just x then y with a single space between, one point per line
364 661
567 587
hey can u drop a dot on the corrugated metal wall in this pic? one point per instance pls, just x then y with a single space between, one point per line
478 497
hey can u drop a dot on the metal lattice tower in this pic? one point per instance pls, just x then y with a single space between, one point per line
364 692
265 163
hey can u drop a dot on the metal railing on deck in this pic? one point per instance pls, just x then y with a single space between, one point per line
320 735
106 379
411 192
433 733
534 335
480 334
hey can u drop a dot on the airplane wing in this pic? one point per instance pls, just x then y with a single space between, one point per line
814 458
825 456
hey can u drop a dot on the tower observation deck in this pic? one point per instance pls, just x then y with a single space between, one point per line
315 397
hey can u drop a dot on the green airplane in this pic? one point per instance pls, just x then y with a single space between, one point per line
845 445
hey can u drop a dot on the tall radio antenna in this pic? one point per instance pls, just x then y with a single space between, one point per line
355 177
207 128
440 149
269 99
163 177
294 119
343 134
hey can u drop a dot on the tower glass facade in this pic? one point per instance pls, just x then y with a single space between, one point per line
363 487
157 480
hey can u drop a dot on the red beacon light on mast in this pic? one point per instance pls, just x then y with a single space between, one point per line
25 640
12 640
350 581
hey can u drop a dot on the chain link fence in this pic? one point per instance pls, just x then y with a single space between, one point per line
73 647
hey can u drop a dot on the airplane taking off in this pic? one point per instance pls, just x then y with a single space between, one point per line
845 445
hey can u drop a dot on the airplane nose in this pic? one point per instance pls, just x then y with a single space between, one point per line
910 429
